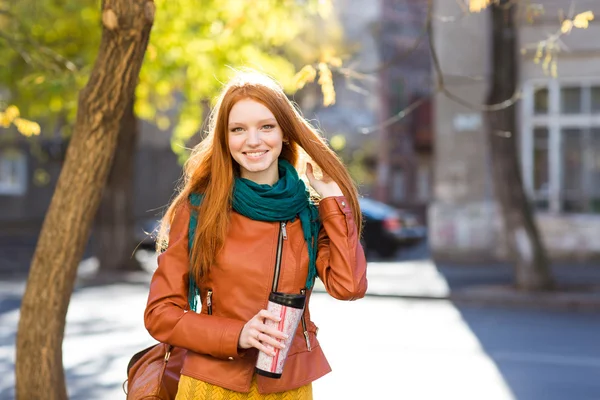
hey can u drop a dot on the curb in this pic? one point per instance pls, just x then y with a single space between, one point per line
502 295
491 296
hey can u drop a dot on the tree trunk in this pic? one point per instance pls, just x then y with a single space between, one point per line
114 238
66 228
527 250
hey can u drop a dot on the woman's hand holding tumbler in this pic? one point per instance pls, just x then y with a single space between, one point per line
256 334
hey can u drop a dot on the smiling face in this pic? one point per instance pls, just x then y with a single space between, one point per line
255 141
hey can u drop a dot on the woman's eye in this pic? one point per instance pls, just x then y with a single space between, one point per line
238 129
268 126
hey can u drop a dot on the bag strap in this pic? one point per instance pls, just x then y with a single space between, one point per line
193 291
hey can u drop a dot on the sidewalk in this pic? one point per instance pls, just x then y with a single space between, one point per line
578 285
486 285
105 327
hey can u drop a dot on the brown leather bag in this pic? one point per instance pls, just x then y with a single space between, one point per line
154 372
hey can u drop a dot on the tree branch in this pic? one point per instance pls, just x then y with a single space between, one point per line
399 116
440 83
57 61
439 87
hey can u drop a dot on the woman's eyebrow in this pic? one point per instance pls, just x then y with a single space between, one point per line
267 120
262 121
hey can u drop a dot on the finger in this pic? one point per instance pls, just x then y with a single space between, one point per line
309 172
275 333
265 314
270 341
263 347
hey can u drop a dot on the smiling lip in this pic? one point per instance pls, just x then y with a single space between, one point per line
255 154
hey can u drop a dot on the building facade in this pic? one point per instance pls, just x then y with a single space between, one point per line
558 136
404 167
29 173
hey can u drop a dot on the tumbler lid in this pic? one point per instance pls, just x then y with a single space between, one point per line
288 299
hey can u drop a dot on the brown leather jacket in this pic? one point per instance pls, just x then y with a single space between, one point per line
239 284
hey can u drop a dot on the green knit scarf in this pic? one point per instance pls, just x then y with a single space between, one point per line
282 202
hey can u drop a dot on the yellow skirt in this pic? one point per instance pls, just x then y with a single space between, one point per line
193 389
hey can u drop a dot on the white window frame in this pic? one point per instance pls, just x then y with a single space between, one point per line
554 122
19 159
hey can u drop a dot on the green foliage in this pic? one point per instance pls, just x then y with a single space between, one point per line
46 50
47 56
194 48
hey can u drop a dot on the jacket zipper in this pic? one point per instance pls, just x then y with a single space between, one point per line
282 237
303 319
209 301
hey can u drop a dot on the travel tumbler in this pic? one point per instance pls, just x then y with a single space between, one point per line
289 307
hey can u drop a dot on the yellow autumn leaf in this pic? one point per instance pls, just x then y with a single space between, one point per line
27 128
326 82
151 52
4 121
546 63
163 122
35 128
478 5
335 62
305 75
566 26
338 142
11 113
583 19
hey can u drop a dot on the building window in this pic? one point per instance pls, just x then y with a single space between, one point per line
560 145
13 172
541 101
423 183
570 100
398 186
541 170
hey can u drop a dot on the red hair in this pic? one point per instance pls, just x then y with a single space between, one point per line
211 169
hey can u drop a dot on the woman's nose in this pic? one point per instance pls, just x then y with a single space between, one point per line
253 137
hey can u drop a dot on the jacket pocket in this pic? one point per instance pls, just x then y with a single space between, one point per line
299 343
304 326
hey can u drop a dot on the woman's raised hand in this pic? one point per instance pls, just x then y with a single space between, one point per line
257 334
326 187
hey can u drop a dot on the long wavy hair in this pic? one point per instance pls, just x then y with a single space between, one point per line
210 169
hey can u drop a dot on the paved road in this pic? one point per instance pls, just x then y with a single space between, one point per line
432 350
378 347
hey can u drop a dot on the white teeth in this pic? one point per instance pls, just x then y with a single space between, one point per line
258 154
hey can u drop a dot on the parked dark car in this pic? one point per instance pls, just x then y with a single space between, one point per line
386 229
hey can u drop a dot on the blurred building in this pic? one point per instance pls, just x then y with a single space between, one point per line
29 173
357 103
558 136
405 152
27 178
389 69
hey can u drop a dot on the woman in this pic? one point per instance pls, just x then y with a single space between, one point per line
242 183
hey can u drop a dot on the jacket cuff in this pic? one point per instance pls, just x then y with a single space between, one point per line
230 339
334 205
